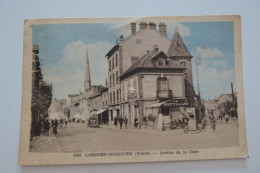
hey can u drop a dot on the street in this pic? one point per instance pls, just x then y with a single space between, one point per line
77 137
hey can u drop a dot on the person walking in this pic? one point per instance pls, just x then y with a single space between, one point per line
115 122
185 121
121 122
125 121
227 118
55 125
66 123
47 126
213 123
221 117
136 122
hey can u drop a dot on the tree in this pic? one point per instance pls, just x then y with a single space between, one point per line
41 101
228 107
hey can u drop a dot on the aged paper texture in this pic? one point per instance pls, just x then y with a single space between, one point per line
136 89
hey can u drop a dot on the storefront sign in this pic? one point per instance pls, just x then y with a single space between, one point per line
177 103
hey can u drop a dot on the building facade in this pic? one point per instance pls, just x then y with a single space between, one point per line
125 53
147 68
94 98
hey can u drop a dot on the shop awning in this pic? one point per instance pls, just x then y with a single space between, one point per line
156 105
100 111
92 113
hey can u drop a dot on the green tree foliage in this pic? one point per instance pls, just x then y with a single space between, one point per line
42 97
228 107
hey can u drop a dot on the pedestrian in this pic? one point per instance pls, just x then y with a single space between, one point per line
66 122
221 117
125 121
47 126
185 121
61 122
55 125
227 118
115 122
121 122
136 122
213 123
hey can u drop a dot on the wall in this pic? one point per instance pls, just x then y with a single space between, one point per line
138 45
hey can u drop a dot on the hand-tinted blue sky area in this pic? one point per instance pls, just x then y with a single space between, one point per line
63 53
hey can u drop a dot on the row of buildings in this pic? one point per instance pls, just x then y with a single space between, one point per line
148 75
225 103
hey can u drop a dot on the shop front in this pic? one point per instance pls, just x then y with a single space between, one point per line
113 112
169 114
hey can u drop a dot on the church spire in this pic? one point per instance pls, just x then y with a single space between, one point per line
87 74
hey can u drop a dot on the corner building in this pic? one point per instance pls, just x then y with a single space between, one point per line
125 53
146 69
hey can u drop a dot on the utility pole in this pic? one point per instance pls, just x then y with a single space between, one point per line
198 83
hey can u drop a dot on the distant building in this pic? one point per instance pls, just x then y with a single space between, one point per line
224 97
90 100
57 105
211 107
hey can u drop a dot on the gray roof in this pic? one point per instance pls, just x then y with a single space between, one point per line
148 61
177 47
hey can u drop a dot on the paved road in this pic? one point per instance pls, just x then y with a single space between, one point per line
80 138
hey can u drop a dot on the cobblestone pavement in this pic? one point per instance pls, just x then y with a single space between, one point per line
78 137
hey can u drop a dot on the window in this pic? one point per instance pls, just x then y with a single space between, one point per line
119 93
162 83
161 62
113 97
116 77
113 63
109 65
117 96
135 84
135 87
110 81
128 85
123 91
116 60
110 98
113 79
183 63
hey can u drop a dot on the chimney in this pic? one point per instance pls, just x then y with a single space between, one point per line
121 38
35 49
143 25
162 29
152 26
155 47
133 28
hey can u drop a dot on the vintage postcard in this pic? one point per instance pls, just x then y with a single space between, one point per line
137 89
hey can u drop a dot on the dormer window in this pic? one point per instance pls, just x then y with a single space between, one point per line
161 62
183 63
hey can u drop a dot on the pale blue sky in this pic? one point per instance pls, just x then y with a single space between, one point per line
63 50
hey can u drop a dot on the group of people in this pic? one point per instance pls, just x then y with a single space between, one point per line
124 120
121 120
224 116
220 117
52 125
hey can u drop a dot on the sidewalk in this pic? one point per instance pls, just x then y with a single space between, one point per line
45 143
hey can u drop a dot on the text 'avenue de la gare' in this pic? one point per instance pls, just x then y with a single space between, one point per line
139 153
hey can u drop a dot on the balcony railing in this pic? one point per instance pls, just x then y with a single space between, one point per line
164 94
